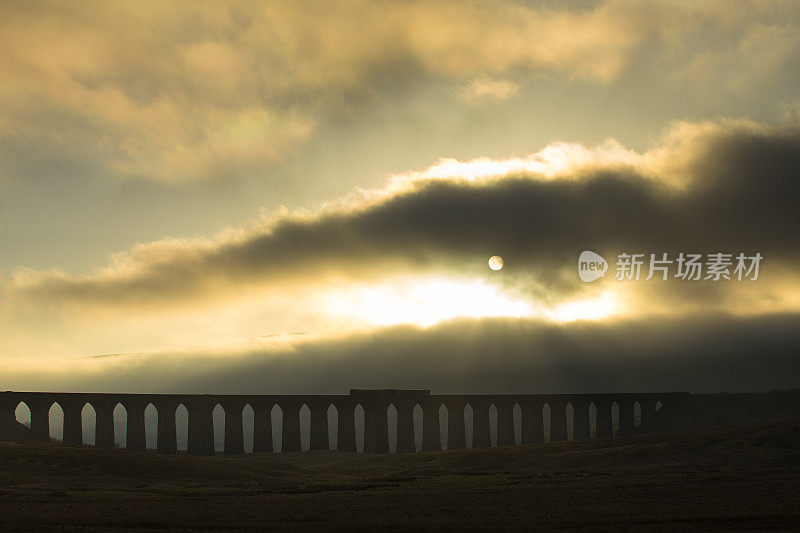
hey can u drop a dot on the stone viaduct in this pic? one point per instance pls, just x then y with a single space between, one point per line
375 405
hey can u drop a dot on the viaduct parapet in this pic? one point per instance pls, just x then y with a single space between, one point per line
375 405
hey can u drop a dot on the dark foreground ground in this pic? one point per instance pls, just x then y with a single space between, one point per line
742 478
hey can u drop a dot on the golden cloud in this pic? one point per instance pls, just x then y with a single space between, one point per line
176 92
692 190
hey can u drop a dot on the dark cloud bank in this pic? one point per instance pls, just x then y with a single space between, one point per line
698 354
739 194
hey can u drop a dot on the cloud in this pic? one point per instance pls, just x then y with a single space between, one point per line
486 89
206 91
697 353
708 187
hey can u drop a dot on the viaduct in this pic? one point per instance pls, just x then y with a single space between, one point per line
375 404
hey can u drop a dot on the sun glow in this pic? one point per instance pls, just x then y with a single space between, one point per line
591 309
549 162
425 301
428 301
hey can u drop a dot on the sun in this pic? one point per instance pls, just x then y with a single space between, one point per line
495 262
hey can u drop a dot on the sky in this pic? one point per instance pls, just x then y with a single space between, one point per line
292 197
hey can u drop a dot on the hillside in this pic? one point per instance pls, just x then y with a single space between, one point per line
746 478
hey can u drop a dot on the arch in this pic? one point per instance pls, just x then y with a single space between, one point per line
391 424
469 414
151 426
333 427
56 413
88 424
182 427
569 410
637 417
22 414
218 420
276 417
417 411
358 414
592 420
120 417
248 426
516 414
546 418
615 418
493 424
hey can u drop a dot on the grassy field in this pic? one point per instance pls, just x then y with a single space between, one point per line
732 478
